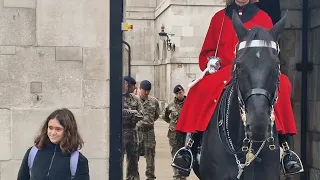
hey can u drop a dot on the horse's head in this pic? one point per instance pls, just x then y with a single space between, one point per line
257 71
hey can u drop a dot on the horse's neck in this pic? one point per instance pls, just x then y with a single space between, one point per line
236 128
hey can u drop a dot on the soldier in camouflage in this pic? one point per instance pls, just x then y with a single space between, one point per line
170 115
147 140
132 114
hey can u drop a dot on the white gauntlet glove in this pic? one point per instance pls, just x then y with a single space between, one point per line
213 64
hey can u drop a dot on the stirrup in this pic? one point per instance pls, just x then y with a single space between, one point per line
187 150
285 173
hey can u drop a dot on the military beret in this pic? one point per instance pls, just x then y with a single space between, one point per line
177 88
146 85
129 79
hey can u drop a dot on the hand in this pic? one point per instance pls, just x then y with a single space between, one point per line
138 117
133 111
213 64
126 113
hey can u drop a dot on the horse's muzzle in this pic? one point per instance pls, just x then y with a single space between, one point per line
258 133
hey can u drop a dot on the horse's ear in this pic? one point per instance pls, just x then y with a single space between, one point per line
241 31
279 27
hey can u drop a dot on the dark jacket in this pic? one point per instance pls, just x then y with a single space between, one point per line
60 168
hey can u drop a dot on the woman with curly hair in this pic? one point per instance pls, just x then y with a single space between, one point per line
55 152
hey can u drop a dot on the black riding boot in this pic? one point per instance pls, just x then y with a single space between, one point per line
183 158
291 161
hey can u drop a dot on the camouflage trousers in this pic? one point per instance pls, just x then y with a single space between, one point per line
176 141
130 145
147 143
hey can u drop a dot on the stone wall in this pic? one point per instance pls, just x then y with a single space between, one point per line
141 39
290 55
181 18
314 89
53 54
150 59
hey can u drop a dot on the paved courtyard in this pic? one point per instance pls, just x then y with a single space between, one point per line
163 158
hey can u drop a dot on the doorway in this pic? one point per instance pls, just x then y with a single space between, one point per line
272 8
294 63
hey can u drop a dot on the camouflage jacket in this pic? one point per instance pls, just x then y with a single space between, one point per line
151 112
171 113
132 110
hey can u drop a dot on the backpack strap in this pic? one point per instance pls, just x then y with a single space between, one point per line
32 155
74 163
73 160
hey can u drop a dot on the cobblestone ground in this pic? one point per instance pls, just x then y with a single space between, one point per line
163 158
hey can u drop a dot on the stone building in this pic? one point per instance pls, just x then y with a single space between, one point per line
55 53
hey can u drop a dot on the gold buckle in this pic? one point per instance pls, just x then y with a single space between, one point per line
245 148
278 47
190 143
285 146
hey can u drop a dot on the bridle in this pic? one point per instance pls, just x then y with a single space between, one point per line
247 143
257 91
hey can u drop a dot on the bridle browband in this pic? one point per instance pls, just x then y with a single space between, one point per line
258 43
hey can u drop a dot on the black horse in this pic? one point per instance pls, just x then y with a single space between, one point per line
241 141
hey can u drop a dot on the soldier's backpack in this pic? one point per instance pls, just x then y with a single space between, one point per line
73 160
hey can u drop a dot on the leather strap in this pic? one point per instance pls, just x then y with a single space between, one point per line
221 120
258 91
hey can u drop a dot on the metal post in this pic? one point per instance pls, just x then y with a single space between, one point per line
115 146
304 67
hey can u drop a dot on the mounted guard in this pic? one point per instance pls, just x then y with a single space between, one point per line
216 60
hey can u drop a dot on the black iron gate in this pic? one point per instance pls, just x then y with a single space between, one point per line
304 67
115 130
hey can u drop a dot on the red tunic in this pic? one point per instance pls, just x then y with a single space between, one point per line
204 96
